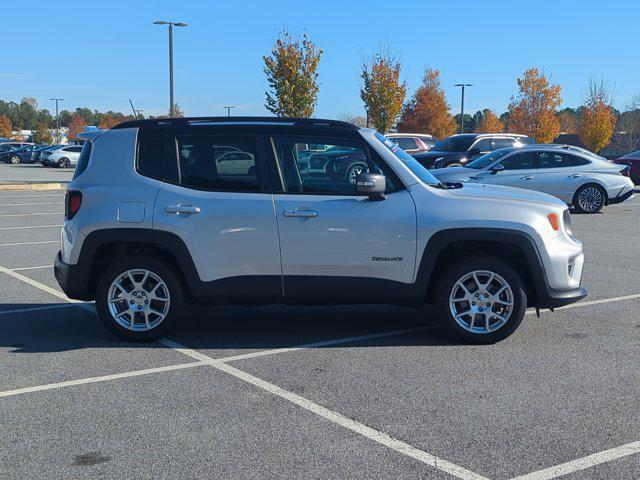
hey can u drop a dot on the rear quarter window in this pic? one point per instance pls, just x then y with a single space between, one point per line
152 159
83 160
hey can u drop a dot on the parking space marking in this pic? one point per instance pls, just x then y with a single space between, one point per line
335 417
36 309
30 214
15 244
583 463
103 378
598 302
26 228
31 268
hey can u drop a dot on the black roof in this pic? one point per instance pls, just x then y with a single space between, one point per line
194 121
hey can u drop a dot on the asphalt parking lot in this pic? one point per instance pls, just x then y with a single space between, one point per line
33 173
293 392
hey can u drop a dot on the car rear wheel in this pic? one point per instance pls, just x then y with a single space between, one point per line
139 298
63 162
480 300
589 199
354 170
15 160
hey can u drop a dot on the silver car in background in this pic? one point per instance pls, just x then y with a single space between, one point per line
576 176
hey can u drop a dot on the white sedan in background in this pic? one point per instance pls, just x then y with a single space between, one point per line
65 156
584 180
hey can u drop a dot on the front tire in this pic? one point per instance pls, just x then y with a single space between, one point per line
15 160
589 198
139 298
63 162
480 300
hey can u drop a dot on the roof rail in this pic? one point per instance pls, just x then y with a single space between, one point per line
189 121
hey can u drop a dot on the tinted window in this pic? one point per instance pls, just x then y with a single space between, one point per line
483 145
83 160
526 140
151 161
405 143
218 163
75 149
487 159
578 161
519 161
331 170
497 143
554 160
454 144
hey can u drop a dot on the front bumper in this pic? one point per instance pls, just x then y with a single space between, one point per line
559 298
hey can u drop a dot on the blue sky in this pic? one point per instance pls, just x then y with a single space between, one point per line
100 54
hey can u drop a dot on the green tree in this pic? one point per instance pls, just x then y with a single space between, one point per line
382 91
41 134
469 123
291 71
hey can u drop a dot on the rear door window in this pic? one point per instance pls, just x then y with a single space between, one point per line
554 160
520 161
406 143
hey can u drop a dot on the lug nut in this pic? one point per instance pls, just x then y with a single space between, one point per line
480 309
473 303
131 302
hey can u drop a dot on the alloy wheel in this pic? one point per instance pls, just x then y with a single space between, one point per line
139 300
353 173
590 199
481 302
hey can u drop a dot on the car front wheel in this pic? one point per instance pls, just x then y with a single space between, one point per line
480 300
63 162
139 298
15 160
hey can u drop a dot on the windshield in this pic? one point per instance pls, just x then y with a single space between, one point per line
485 160
453 144
411 163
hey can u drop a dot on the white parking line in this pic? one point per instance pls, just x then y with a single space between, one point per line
27 243
103 378
335 417
583 463
30 214
26 228
37 309
31 268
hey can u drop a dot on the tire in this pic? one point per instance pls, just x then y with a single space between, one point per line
15 160
63 162
354 170
589 198
474 330
168 298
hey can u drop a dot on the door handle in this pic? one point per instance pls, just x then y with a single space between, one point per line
575 175
182 209
527 177
300 213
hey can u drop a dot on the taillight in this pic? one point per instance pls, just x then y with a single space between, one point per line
72 203
625 171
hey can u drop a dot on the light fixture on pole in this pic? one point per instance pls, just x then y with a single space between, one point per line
171 25
57 100
229 107
462 104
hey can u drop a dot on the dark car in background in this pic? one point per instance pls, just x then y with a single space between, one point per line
8 146
633 160
23 154
413 143
460 149
336 162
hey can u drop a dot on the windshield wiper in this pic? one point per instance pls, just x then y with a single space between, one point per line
449 185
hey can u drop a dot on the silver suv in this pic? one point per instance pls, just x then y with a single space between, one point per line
159 214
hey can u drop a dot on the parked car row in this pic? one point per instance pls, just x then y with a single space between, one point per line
48 155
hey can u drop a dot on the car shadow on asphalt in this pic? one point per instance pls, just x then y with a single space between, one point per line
229 329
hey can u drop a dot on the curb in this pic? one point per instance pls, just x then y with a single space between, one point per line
24 186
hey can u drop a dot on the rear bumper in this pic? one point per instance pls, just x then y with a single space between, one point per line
71 278
621 197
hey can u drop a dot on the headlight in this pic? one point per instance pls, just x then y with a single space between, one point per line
566 219
464 160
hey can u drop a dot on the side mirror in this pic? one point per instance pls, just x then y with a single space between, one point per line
497 168
371 184
474 151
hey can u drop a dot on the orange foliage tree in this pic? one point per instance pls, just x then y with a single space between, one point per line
568 121
533 110
6 130
598 123
428 110
489 123
382 91
76 125
108 121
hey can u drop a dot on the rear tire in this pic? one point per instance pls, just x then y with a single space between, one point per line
480 300
63 162
15 160
139 298
589 198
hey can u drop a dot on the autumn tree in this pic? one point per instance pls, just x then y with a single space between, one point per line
76 125
6 130
41 134
533 110
598 122
629 126
568 119
428 110
108 121
489 123
291 71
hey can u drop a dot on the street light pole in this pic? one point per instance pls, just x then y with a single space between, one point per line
462 104
57 118
171 25
229 110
